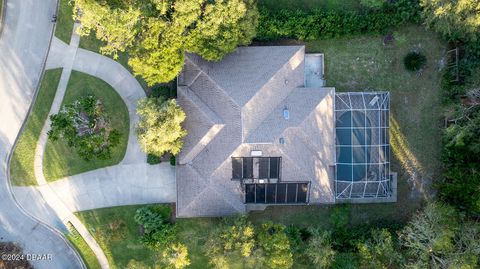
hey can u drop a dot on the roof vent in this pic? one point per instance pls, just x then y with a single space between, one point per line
286 82
281 140
286 113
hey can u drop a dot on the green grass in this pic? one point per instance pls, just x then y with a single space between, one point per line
83 249
21 167
59 159
118 235
64 26
306 5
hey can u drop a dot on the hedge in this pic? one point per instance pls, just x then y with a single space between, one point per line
319 24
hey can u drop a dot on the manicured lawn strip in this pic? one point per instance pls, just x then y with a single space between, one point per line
59 159
363 63
21 167
64 25
83 249
306 5
118 235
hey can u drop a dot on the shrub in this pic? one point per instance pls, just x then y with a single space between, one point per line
319 249
233 240
157 229
273 242
173 160
165 91
153 159
414 61
85 126
175 256
294 235
379 251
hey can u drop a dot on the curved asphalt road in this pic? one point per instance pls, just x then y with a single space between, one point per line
24 44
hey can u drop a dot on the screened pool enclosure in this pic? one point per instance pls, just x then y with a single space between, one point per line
362 145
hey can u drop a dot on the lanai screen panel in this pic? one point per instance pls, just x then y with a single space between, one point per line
362 145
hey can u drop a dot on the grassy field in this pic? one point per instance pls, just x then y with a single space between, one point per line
21 167
83 249
64 26
59 159
337 5
118 234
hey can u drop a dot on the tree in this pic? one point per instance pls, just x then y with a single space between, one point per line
160 126
439 237
461 153
274 244
429 236
319 249
233 240
379 251
175 256
226 24
159 32
117 27
455 19
85 126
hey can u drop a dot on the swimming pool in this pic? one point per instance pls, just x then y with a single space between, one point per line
353 137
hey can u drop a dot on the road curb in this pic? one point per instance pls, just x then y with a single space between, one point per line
2 15
12 149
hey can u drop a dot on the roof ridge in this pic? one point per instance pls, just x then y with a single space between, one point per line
265 85
212 80
198 102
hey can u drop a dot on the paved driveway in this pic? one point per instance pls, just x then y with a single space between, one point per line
23 46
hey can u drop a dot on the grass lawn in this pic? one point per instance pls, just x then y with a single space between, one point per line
83 249
118 234
21 167
59 159
337 5
64 26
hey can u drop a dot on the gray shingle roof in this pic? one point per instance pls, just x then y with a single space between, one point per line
235 106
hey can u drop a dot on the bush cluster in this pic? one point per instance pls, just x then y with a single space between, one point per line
319 24
414 61
157 229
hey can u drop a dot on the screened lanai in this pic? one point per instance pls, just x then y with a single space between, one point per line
362 145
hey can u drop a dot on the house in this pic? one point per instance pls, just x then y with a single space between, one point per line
262 130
